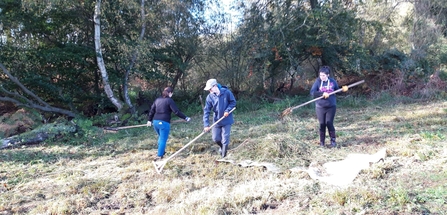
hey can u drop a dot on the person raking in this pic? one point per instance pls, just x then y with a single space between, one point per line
220 101
160 117
326 107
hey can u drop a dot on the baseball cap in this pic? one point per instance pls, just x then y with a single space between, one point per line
210 83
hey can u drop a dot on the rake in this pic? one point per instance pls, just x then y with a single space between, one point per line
136 126
161 164
290 109
123 127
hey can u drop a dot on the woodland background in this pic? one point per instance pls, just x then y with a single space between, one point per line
105 61
70 68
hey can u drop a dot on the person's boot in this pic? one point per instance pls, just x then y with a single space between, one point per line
224 150
157 158
220 146
332 135
322 137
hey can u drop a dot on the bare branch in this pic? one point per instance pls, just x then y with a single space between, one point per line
16 81
15 94
38 107
302 25
43 106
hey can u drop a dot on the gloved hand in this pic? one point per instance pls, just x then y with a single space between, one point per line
344 88
187 119
226 114
149 123
206 129
325 95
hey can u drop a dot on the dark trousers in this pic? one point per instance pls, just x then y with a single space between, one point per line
221 134
326 118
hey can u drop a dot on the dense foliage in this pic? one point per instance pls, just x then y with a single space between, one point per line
275 49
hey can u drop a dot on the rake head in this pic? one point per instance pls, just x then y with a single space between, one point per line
286 112
159 165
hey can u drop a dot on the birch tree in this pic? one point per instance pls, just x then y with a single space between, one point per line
100 60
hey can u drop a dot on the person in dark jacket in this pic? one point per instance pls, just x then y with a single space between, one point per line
220 101
326 107
160 117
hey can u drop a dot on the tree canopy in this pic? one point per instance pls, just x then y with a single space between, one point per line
90 57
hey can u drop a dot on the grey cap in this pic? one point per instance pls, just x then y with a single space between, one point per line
209 84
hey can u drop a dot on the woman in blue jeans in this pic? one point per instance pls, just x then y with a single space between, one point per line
160 117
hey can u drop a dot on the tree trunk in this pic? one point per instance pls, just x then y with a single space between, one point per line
105 78
132 61
313 4
39 135
29 98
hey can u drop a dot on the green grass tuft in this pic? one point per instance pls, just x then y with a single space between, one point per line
112 173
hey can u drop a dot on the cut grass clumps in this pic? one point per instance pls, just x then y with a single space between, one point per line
114 174
398 197
380 170
341 197
349 199
275 148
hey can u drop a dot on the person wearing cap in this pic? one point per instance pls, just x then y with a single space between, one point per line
160 117
220 101
326 107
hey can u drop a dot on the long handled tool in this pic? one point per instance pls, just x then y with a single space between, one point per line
124 127
289 110
161 164
136 126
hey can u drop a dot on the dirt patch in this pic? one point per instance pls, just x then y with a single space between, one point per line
15 121
7 108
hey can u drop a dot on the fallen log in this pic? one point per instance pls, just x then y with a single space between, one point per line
38 135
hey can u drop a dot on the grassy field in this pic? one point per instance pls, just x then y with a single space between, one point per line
112 173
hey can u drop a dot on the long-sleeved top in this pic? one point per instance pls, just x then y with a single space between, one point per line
162 108
219 104
319 87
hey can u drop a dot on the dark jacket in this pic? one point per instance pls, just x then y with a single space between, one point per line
319 88
162 109
219 104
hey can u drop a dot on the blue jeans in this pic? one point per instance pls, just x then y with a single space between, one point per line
162 128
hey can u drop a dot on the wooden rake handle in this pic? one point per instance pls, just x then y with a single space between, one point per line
124 127
136 126
339 90
161 164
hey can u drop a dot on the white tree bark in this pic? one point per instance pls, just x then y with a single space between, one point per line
105 78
